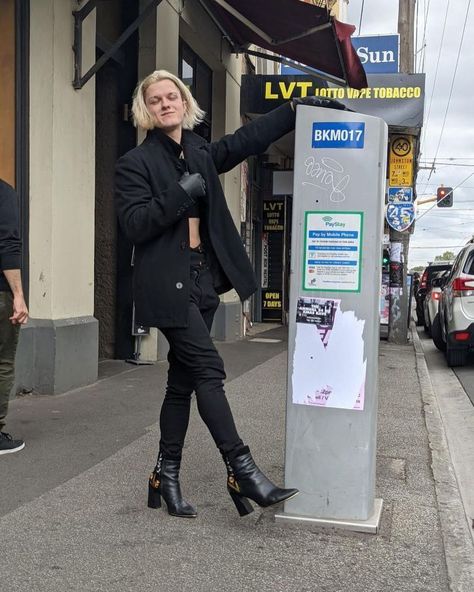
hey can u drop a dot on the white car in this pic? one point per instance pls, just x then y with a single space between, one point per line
432 298
453 326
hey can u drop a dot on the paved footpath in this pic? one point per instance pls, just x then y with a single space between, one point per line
73 513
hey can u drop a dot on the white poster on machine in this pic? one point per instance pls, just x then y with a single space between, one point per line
332 251
329 369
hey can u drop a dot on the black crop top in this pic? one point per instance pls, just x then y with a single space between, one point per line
195 210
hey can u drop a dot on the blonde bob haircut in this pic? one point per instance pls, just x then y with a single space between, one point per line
193 114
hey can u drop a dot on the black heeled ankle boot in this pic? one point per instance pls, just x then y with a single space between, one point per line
164 483
246 480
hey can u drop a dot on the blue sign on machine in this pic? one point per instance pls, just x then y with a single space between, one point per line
379 54
400 195
400 216
328 134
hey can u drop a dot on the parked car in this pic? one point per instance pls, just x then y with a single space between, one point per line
453 326
432 298
425 285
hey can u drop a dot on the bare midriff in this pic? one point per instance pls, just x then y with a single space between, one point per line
194 236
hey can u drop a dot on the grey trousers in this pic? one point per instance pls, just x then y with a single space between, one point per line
8 344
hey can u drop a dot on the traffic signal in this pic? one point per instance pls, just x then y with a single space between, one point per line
444 197
385 260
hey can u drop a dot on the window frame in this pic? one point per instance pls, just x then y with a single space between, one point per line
186 53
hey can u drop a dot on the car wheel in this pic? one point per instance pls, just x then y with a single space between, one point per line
456 357
436 334
426 324
419 315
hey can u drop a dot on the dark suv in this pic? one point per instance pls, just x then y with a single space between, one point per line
425 285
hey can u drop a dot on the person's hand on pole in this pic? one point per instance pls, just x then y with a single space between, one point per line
313 101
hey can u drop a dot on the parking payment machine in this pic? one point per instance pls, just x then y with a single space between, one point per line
338 201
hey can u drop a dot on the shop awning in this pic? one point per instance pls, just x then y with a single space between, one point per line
295 30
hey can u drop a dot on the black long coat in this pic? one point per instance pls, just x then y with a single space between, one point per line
152 206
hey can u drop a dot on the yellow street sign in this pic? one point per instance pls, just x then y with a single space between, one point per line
401 161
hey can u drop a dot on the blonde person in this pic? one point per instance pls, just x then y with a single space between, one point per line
171 205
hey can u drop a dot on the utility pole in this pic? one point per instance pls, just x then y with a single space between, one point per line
400 241
406 30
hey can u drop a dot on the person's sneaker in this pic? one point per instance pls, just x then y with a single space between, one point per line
8 444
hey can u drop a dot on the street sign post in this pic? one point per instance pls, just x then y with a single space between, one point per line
400 195
400 216
401 161
339 188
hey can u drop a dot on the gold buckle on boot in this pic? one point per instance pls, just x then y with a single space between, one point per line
154 481
232 483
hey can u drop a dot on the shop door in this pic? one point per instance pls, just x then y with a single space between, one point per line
115 135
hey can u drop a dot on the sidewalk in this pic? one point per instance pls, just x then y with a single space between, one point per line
90 529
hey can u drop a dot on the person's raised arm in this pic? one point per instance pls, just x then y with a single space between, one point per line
255 137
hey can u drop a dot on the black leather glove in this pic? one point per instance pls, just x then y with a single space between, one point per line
193 184
318 102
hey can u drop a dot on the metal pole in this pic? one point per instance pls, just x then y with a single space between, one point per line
400 241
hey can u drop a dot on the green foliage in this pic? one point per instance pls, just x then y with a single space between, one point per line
446 256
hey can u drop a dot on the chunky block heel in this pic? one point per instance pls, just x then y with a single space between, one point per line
244 507
164 483
154 495
245 481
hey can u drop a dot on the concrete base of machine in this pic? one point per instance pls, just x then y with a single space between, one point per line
369 526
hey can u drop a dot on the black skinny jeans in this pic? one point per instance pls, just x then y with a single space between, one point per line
195 365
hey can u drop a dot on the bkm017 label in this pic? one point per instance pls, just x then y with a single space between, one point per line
338 134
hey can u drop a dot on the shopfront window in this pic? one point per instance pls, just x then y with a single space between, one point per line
198 77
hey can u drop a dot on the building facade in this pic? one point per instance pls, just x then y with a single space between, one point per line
63 126
58 147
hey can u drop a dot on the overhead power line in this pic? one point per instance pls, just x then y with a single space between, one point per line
425 127
452 84
430 158
361 16
426 123
444 164
435 247
421 51
423 43
452 191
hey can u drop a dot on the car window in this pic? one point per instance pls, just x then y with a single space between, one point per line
456 264
434 270
469 265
